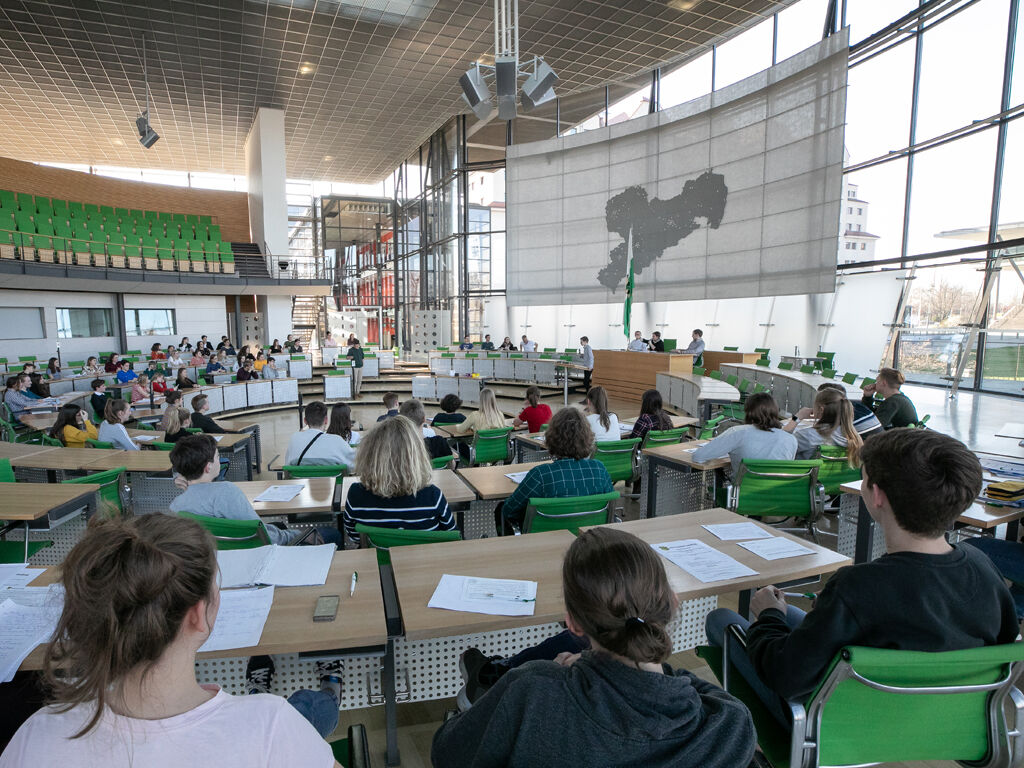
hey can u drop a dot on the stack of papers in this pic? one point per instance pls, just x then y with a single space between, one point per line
145 438
703 562
776 548
737 531
516 477
277 565
494 597
280 493
22 628
240 620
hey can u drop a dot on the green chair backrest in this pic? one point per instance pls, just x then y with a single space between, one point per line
232 534
98 444
785 366
762 361
806 369
835 470
162 446
828 373
867 380
569 514
51 441
763 350
732 379
383 539
619 458
491 445
441 462
6 471
827 357
744 385
716 375
773 487
849 378
314 470
658 437
110 482
731 349
708 430
698 371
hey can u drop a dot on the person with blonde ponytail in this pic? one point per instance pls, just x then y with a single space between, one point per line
140 600
600 693
833 425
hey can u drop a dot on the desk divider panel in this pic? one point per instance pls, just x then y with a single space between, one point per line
447 385
216 398
285 390
505 369
462 365
300 369
234 397
442 366
371 367
259 392
337 387
484 367
386 358
424 388
469 390
61 386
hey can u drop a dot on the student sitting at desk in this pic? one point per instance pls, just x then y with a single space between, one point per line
141 598
864 419
260 361
38 388
160 385
98 399
314 445
395 488
15 395
535 414
200 406
53 369
276 348
341 424
198 358
604 423
113 364
450 403
570 441
923 595
112 430
185 345
466 344
487 416
390 401
760 437
651 416
487 345
140 389
174 358
176 423
156 352
833 425
172 400
73 427
609 698
637 344
125 372
436 445
696 345
895 409
270 370
183 381
247 372
92 368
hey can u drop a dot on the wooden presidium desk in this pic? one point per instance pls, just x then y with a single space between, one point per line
629 374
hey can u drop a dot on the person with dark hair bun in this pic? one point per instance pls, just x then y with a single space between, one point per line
761 436
602 686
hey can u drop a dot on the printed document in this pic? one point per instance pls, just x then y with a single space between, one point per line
703 562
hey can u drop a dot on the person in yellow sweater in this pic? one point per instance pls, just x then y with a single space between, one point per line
73 427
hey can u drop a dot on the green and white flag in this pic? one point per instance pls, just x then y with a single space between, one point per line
627 309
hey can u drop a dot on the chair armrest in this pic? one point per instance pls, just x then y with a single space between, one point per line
270 465
734 633
336 499
731 495
358 747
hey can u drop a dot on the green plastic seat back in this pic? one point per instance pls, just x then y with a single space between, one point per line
806 369
827 358
232 534
658 437
732 379
441 462
383 539
731 349
734 411
785 366
717 375
774 487
490 445
618 457
110 489
698 371
314 470
762 361
828 373
866 381
98 444
6 471
849 378
569 514
708 430
161 446
835 470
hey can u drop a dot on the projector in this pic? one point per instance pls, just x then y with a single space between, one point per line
147 136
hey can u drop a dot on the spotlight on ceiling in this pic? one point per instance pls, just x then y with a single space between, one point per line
539 87
506 71
476 93
147 136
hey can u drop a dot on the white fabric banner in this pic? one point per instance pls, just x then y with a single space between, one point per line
737 193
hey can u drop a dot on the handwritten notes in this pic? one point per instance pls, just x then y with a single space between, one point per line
240 620
22 628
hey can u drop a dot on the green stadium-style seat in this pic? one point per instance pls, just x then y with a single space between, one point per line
657 437
136 214
490 446
179 218
619 458
26 203
205 220
151 215
227 262
92 211
106 210
769 487
785 366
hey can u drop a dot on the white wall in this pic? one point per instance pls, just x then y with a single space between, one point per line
858 332
194 316
277 316
266 174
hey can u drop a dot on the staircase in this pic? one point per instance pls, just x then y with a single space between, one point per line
249 262
306 312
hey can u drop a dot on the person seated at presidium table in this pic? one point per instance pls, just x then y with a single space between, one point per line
696 345
655 344
922 595
609 698
637 344
466 344
895 409
760 437
527 346
394 489
570 442
487 345
507 345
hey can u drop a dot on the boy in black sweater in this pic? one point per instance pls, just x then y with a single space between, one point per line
924 595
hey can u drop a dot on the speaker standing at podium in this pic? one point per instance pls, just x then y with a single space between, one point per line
588 362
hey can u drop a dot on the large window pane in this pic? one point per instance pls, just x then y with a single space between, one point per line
1017 81
1011 198
879 193
150 322
962 68
83 323
865 17
744 55
690 81
800 27
878 99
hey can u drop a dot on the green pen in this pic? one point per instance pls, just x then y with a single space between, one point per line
808 595
352 589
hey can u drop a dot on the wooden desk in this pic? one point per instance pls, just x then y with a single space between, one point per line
490 483
656 462
714 358
62 459
317 496
536 557
42 507
662 529
132 461
626 426
290 627
695 394
452 486
629 374
449 431
16 450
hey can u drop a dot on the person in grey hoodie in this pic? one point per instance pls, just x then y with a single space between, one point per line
614 704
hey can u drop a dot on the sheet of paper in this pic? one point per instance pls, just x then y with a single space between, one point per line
776 548
702 561
516 477
280 493
690 450
218 438
240 620
22 628
51 597
241 567
494 597
736 531
145 438
275 565
17 574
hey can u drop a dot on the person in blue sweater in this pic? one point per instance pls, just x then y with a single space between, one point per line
125 372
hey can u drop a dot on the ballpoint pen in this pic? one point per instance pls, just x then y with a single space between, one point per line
352 589
808 595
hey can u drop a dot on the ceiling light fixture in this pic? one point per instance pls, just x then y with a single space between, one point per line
506 72
683 5
307 68
147 136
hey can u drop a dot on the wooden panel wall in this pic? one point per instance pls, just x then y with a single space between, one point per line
229 209
629 374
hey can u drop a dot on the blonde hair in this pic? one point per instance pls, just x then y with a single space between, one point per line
143 380
392 459
837 413
491 416
892 377
175 419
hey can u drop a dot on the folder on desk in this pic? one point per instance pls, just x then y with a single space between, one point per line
276 565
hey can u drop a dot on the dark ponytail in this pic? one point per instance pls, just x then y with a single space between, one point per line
616 590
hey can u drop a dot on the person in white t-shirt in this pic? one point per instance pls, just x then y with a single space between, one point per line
315 446
637 344
140 600
604 423
527 346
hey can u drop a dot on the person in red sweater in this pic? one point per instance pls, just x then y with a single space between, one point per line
535 413
160 384
156 353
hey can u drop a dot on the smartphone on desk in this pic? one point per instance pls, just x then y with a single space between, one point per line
326 608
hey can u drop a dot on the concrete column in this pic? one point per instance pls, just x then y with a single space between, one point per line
266 173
